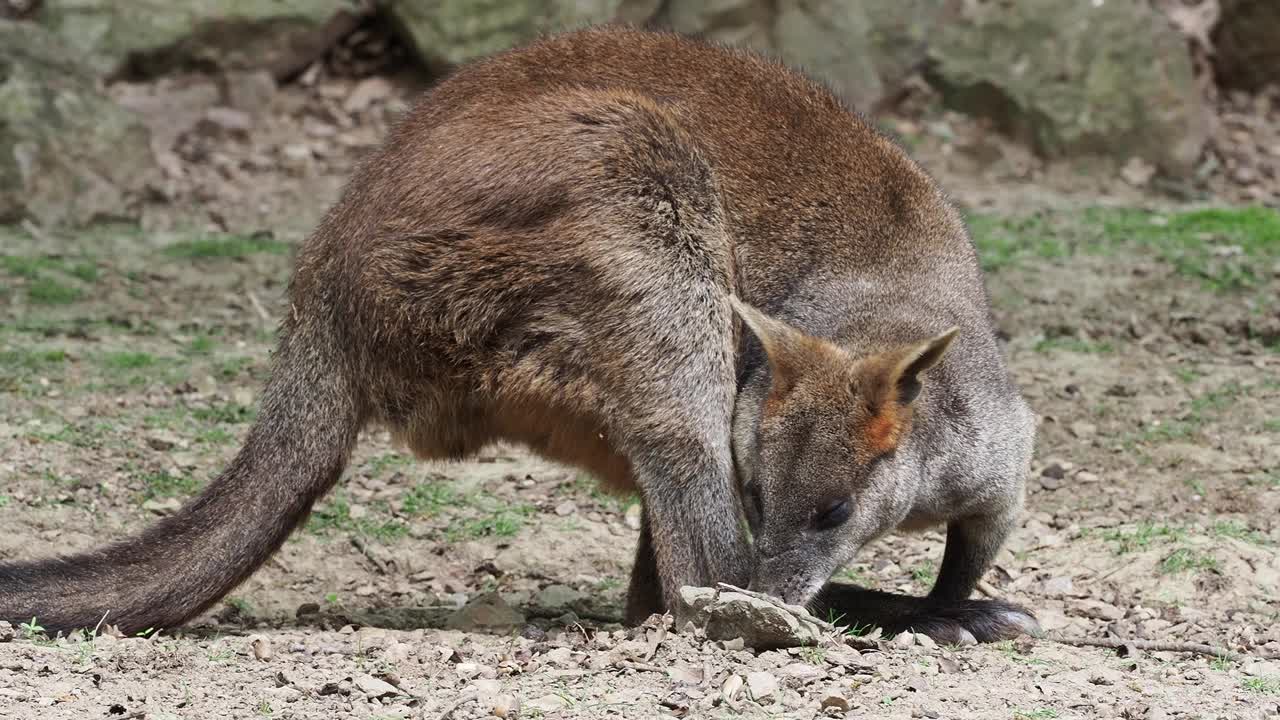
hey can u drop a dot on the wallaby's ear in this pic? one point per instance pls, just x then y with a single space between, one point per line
890 384
918 359
786 347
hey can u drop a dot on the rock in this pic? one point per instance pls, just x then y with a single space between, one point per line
162 507
728 615
568 507
250 92
261 647
731 688
1075 79
632 516
241 35
448 32
556 596
505 706
1058 586
68 154
488 612
548 703
761 685
7 633
372 687
833 698
1246 43
371 90
1096 609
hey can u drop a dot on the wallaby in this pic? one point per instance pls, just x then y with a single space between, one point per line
558 247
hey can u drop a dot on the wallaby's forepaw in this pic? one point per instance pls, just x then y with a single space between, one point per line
967 622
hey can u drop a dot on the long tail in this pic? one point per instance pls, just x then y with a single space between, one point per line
310 415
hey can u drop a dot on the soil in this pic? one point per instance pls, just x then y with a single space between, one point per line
131 360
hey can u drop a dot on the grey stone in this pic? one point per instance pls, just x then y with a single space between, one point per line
68 154
761 624
485 612
1075 79
449 32
236 34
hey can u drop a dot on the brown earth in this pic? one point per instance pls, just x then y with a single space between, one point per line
131 360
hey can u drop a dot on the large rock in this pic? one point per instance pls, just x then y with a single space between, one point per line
68 155
1076 78
240 34
762 624
449 32
1247 43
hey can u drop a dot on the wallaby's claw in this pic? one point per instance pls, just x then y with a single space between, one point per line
971 621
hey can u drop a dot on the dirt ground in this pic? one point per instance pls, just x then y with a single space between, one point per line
1146 336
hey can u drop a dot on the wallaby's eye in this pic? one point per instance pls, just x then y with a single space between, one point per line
833 516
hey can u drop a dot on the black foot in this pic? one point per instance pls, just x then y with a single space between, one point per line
957 622
967 622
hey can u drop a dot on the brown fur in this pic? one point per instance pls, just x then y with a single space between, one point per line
551 249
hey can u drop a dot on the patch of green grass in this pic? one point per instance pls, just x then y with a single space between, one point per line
201 345
128 360
813 655
231 368
227 413
166 485
1010 651
1196 415
1142 536
428 498
46 291
1185 559
81 436
335 516
1071 344
1238 531
853 575
925 573
1005 241
1226 249
225 246
502 523
1036 714
31 359
378 465
214 436
1262 685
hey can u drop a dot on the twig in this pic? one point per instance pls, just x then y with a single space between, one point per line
641 667
466 698
35 231
987 589
257 307
363 547
1164 646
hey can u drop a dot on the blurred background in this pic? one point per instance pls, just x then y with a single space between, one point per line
173 103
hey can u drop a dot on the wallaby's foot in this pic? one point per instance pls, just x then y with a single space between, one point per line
965 622
947 622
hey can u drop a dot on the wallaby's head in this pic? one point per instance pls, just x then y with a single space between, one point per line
816 456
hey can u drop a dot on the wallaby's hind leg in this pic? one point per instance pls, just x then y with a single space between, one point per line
644 596
947 614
